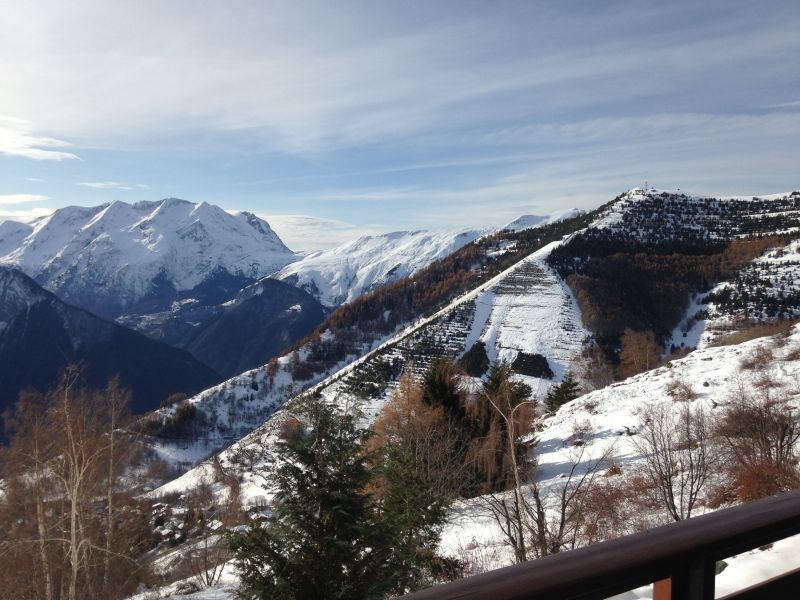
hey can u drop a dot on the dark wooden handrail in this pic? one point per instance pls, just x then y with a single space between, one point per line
684 553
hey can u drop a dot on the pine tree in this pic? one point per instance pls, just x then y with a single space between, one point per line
564 392
323 540
440 387
500 376
330 536
421 468
475 360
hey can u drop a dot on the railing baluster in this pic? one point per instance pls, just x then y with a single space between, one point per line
662 590
694 580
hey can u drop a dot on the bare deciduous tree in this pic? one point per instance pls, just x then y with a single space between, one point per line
536 523
67 454
640 352
675 443
513 418
208 556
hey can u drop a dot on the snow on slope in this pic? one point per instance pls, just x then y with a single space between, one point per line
341 274
765 289
611 416
531 221
122 252
532 311
17 293
608 417
524 308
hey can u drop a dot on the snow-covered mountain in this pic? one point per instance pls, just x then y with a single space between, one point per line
525 310
657 215
341 274
528 309
121 258
531 221
40 335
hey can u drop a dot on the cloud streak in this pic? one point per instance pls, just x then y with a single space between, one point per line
9 210
24 216
18 140
6 199
105 185
357 77
396 114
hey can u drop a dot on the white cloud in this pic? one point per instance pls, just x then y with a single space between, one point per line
106 185
24 215
17 139
34 179
21 198
306 78
792 104
303 233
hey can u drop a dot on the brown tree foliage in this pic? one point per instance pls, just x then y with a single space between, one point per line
70 529
639 352
381 311
759 434
594 368
621 283
410 427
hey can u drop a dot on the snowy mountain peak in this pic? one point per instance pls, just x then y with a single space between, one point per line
342 273
257 223
109 257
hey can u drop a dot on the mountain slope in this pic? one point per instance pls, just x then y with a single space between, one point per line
530 221
366 362
531 312
341 274
40 335
648 257
605 421
263 319
138 258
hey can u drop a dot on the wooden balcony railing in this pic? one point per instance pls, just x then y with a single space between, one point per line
679 559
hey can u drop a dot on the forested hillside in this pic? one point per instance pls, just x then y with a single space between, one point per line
641 263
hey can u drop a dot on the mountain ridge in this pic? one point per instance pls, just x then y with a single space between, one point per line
41 335
111 257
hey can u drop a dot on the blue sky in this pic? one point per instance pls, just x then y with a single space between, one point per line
334 119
